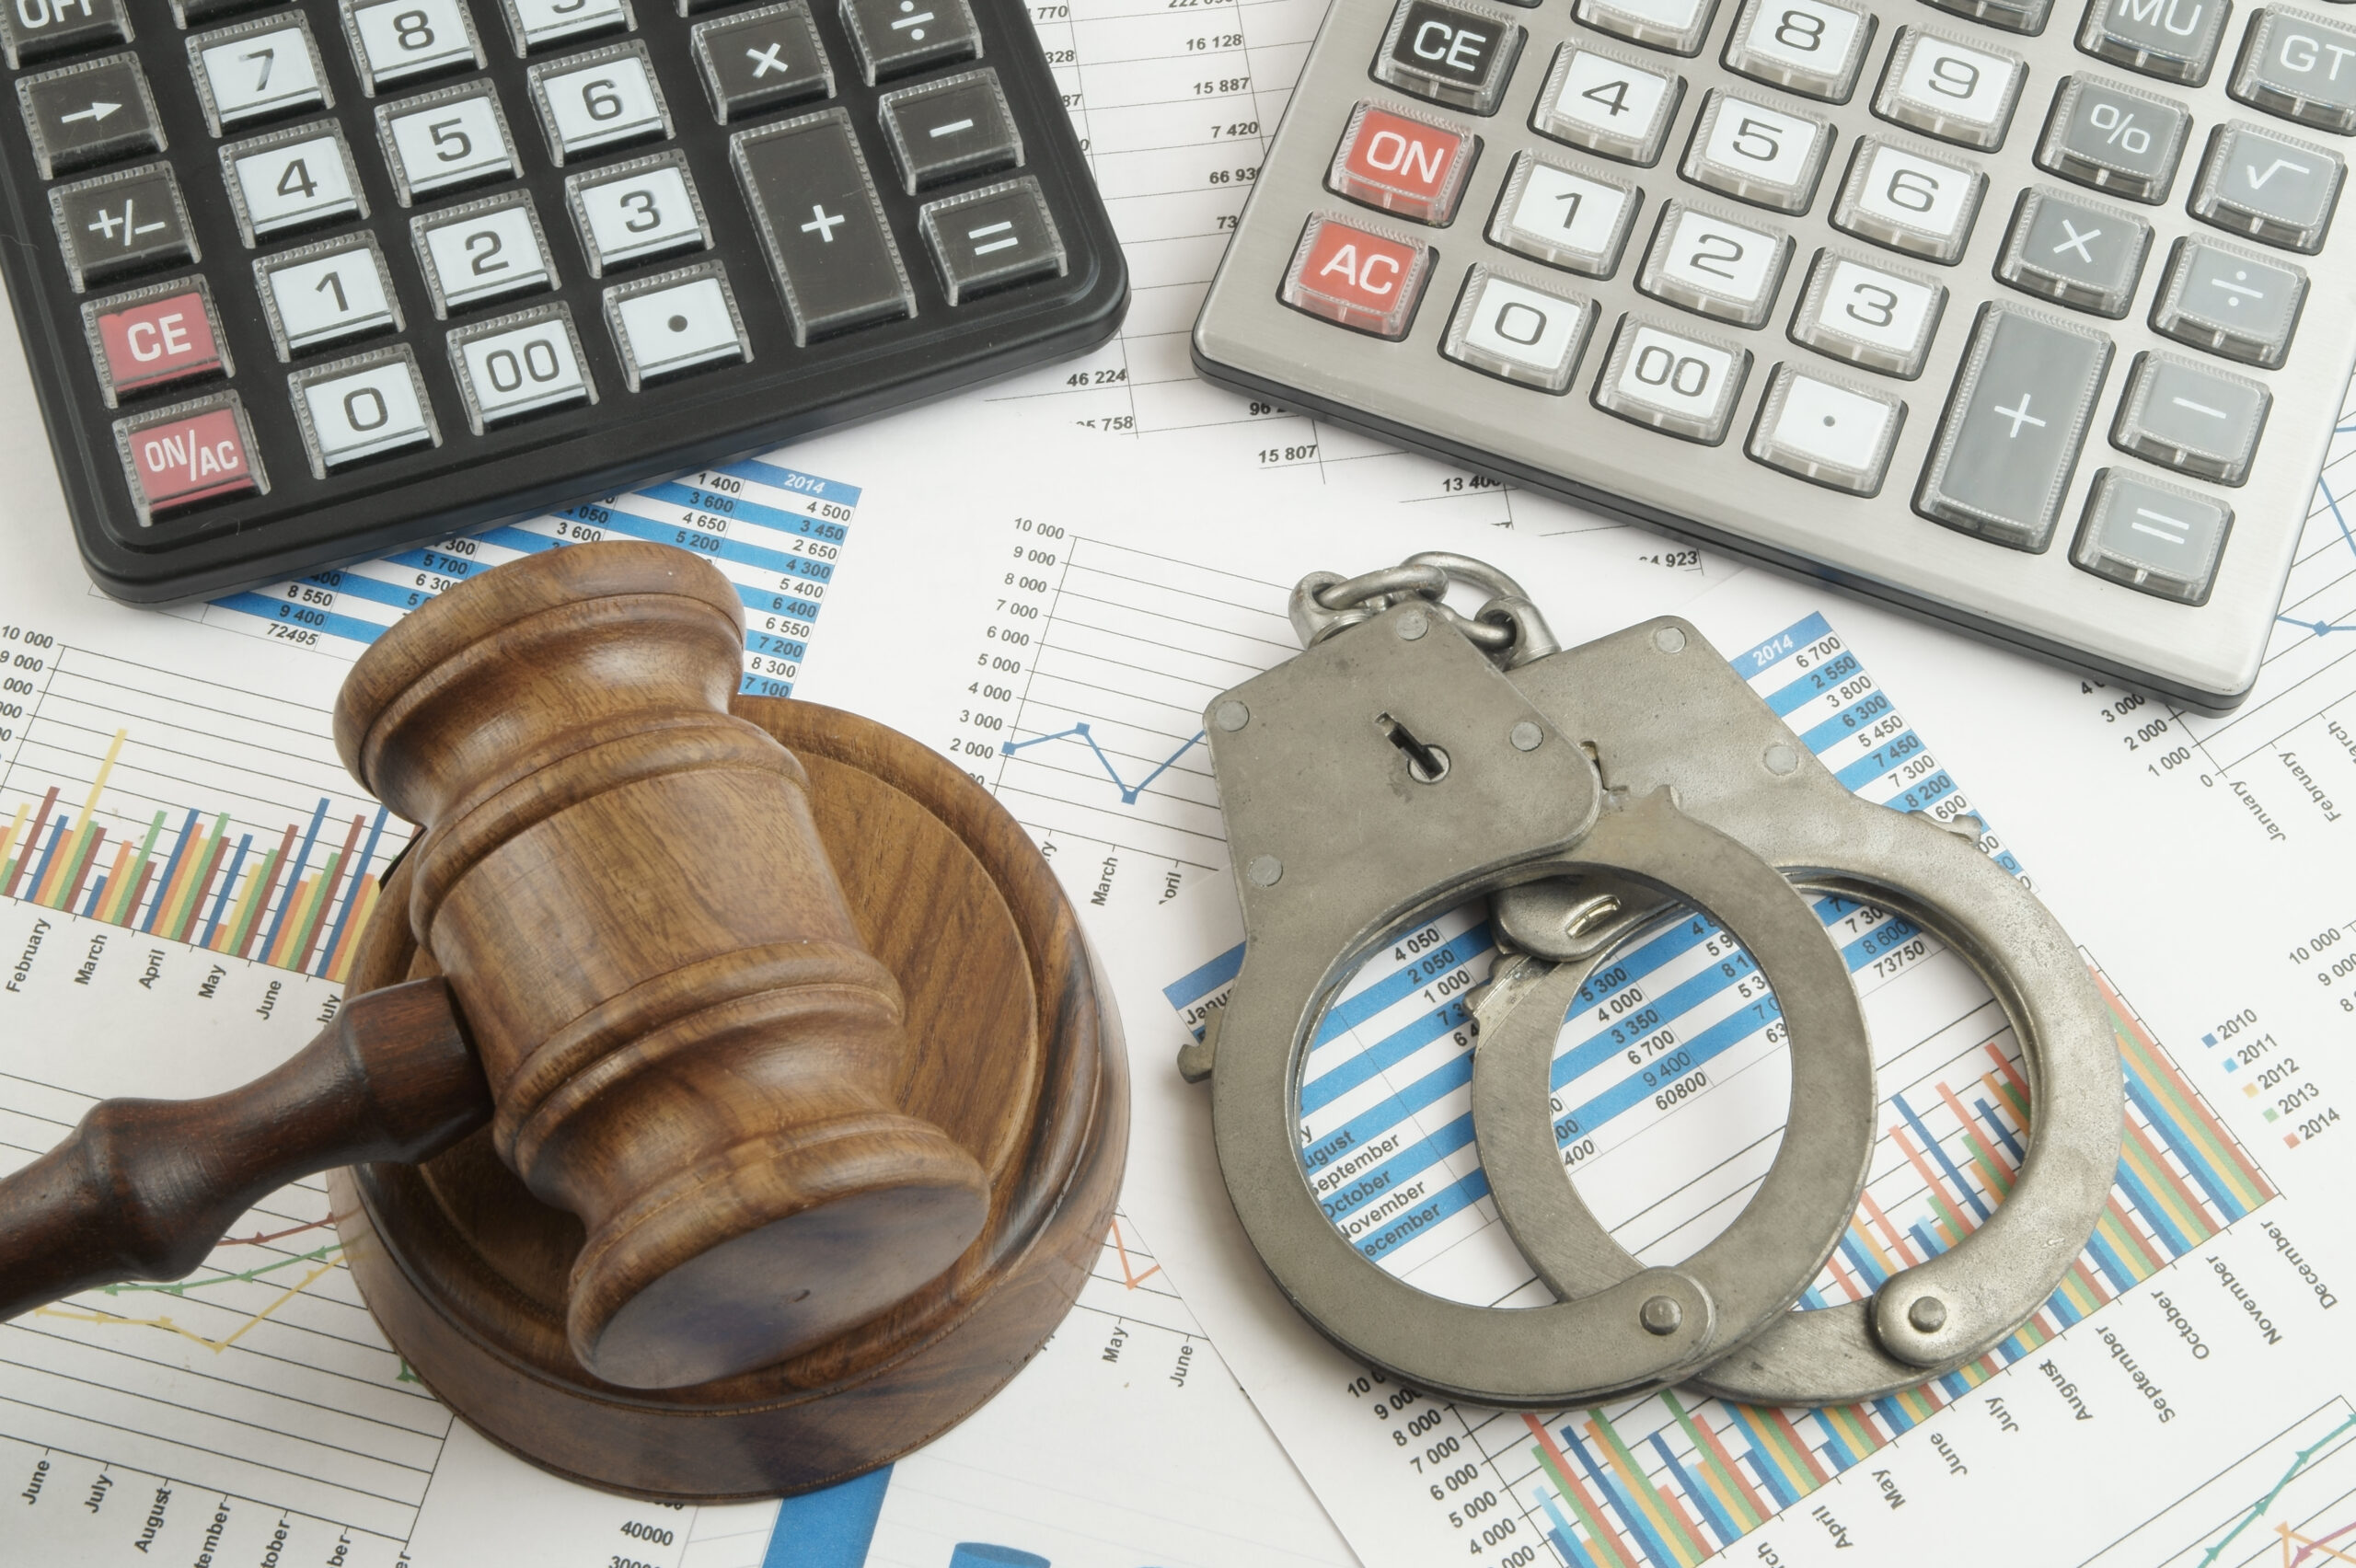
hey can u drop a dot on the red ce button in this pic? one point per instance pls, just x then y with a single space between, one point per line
156 341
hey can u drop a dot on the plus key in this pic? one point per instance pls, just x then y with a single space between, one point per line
2013 426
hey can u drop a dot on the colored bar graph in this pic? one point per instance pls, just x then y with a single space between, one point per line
188 884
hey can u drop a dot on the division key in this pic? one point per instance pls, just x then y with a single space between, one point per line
822 225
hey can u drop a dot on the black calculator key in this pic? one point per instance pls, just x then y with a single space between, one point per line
992 239
895 36
947 130
1458 54
196 13
86 115
761 60
120 224
822 225
33 30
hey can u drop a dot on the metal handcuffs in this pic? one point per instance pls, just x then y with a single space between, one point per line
1412 757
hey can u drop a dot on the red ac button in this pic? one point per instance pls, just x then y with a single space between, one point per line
1403 164
1358 277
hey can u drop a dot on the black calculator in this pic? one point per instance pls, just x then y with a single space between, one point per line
305 282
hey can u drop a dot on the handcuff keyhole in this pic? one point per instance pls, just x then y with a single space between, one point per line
1426 763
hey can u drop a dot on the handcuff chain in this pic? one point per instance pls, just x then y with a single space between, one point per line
1507 626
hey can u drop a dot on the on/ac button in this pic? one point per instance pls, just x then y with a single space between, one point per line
1403 163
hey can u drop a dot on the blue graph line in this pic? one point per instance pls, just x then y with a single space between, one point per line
2323 627
1129 792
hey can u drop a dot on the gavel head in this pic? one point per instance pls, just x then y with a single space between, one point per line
688 1046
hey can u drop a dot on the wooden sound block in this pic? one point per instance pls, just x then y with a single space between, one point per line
1016 1054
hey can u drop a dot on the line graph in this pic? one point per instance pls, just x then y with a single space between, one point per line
1081 730
2288 1503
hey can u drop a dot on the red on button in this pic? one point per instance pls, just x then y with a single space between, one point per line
199 455
1403 163
1356 276
157 340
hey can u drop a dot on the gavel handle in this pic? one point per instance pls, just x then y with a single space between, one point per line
142 1188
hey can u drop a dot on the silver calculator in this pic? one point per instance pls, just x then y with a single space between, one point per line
2031 318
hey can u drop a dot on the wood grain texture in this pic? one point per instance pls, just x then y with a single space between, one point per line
690 1047
144 1189
1015 1052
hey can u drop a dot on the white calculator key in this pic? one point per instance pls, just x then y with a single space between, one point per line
538 23
598 100
674 322
1607 104
1823 431
357 408
257 70
1518 331
327 293
485 250
396 39
284 182
1571 220
1923 206
636 210
1956 93
1870 315
1757 154
1680 385
518 364
1678 26
446 140
1810 46
1714 265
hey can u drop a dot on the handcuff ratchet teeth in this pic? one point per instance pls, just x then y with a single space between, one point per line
1412 757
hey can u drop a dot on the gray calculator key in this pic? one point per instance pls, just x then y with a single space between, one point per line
2013 426
2174 38
1825 431
2300 67
2013 16
1458 54
43 30
950 129
2153 537
2281 190
2230 302
2115 138
2191 418
822 225
992 238
1566 218
1518 331
120 224
83 116
761 60
2074 251
895 36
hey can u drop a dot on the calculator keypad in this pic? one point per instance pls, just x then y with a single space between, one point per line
2192 418
603 98
361 408
1606 103
45 30
2115 138
395 43
674 322
1825 431
2085 256
445 141
1908 201
1868 314
2014 423
946 131
119 224
1676 383
1677 25
815 204
637 212
991 239
258 71
537 26
291 180
1356 276
328 294
2300 67
188 453
2173 38
1752 151
86 116
1456 53
1518 330
1957 92
2230 302
156 337
760 60
1714 265
2153 537
895 38
482 251
2268 186
1555 214
519 364
1814 47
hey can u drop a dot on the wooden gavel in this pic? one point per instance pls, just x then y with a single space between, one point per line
641 971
